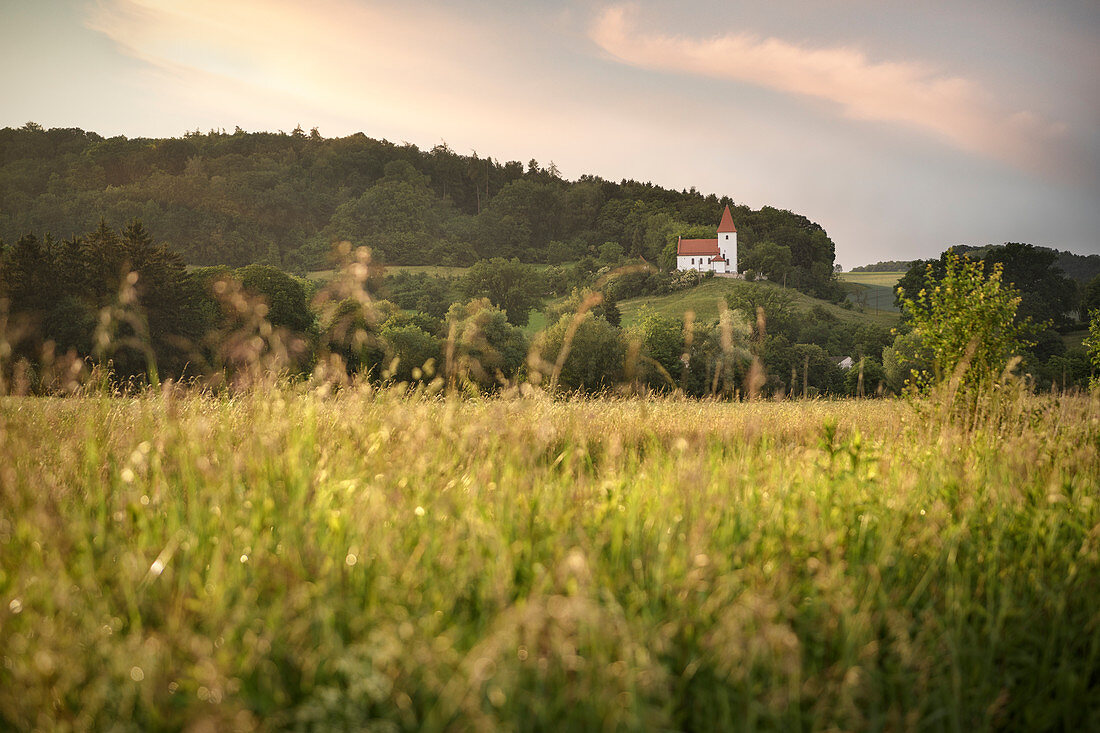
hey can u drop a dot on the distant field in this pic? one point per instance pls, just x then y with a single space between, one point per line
889 279
704 302
292 559
1075 338
874 289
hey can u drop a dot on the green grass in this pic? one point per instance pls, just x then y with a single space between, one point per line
1075 338
875 290
704 300
291 559
885 279
536 322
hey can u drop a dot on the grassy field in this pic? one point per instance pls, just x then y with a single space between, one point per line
704 301
1075 338
874 289
294 560
884 279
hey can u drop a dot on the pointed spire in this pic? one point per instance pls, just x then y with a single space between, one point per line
726 225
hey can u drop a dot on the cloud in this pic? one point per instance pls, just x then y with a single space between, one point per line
952 108
360 66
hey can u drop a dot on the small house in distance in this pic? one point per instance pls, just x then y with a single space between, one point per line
718 255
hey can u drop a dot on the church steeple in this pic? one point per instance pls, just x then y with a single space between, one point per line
727 240
726 225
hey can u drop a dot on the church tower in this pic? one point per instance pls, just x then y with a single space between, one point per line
727 241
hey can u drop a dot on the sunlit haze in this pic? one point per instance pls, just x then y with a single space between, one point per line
901 128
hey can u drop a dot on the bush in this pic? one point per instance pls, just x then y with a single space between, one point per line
284 294
487 349
967 321
594 357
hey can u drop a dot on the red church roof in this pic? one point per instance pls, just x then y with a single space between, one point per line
726 225
696 247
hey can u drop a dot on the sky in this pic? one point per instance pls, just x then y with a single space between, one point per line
902 128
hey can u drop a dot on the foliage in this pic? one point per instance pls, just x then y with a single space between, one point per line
1092 343
120 285
661 342
284 296
750 299
582 352
887 266
508 284
421 292
412 353
866 377
488 350
906 361
800 370
967 321
1090 300
282 199
1046 295
767 258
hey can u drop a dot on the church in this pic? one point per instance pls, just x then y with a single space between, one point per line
718 255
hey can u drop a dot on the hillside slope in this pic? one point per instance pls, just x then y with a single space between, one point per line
706 299
283 199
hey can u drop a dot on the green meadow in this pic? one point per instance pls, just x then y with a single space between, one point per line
709 297
884 279
289 558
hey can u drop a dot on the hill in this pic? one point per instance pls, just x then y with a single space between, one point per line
284 198
704 301
1081 268
872 288
885 266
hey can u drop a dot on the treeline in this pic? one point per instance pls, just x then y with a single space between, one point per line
282 199
115 302
886 266
1050 304
1080 268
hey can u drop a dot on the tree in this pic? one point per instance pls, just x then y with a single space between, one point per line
487 349
662 349
769 258
596 351
776 303
416 351
1090 299
284 295
510 285
873 376
1046 295
611 252
1092 346
905 361
967 320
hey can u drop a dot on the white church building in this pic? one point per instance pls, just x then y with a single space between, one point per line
717 255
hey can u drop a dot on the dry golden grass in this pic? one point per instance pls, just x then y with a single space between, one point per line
287 558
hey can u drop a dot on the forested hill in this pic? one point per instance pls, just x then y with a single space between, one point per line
283 198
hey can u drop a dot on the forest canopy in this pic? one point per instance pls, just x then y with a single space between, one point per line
282 199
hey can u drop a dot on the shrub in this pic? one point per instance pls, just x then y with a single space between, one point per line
967 321
590 350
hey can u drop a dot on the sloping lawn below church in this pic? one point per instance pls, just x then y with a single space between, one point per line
704 301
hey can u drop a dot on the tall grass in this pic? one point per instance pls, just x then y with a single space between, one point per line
286 559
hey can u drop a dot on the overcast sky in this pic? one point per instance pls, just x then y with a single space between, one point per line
900 127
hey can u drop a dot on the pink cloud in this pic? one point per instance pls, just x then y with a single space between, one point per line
366 65
952 108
